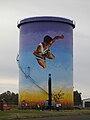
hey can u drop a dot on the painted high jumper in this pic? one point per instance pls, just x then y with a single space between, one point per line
42 51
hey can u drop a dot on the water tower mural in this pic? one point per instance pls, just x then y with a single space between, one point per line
46 47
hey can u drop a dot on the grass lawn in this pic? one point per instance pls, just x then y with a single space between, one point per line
22 114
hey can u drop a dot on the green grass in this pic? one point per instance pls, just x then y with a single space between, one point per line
22 114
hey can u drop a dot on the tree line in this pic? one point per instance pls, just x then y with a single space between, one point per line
12 98
9 97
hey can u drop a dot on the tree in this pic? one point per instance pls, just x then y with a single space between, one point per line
57 97
77 98
9 97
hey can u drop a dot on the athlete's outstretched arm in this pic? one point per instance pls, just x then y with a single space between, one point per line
54 39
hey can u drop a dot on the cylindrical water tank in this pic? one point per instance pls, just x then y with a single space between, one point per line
46 47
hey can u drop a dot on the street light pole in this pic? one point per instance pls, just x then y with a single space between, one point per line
49 92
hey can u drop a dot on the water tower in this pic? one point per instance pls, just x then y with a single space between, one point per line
46 46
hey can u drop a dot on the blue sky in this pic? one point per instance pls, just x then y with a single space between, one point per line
60 68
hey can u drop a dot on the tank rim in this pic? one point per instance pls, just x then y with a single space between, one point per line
46 19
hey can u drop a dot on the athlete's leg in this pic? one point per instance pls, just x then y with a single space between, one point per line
41 62
50 56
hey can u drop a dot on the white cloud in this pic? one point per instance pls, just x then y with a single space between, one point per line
9 81
8 84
